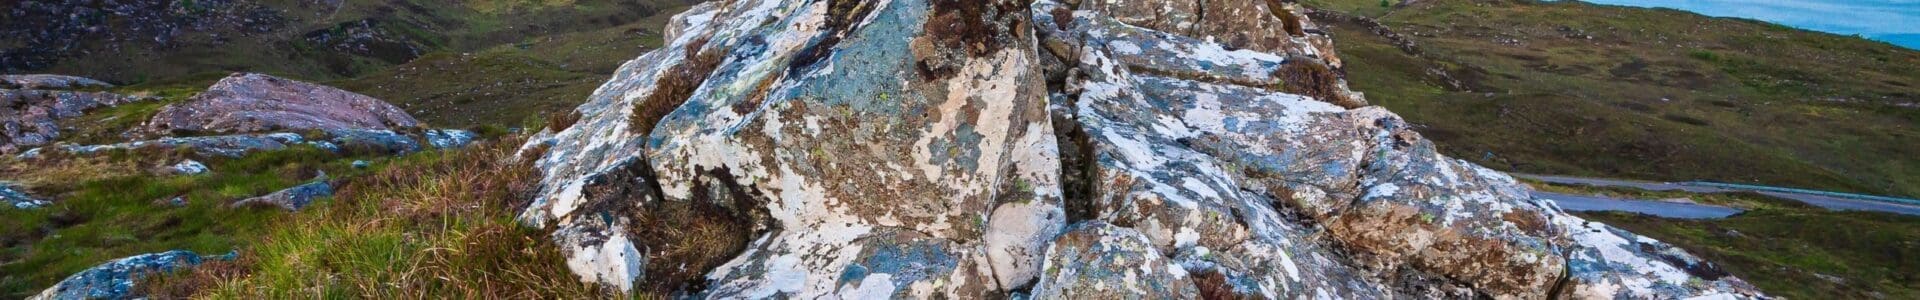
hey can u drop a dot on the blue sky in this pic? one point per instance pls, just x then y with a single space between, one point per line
1892 20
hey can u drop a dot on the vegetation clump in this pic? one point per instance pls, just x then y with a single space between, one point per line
674 87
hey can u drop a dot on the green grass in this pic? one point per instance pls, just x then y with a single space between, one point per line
1580 89
430 225
114 214
435 26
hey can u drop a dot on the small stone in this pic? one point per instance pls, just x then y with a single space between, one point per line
361 164
188 167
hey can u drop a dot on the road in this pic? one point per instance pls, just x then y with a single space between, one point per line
1826 201
1572 202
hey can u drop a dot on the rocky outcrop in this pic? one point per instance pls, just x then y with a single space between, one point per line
49 82
1122 149
30 117
116 279
256 103
237 145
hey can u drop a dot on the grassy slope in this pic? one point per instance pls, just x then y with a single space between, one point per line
1652 94
1662 94
465 25
506 84
107 209
1785 247
1800 254
105 206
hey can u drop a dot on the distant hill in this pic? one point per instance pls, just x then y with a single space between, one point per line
1575 88
139 40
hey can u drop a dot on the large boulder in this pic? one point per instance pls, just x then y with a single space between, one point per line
256 103
29 117
1126 149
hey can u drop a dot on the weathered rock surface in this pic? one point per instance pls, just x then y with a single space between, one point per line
256 103
237 145
293 198
49 82
29 117
116 279
1112 149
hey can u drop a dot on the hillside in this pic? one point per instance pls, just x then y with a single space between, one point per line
1580 89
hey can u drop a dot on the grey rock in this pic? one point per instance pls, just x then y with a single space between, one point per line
294 198
29 117
361 164
12 196
49 82
255 103
175 201
912 149
188 167
449 138
237 145
116 279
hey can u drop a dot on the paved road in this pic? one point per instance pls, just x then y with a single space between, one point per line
1656 208
1826 201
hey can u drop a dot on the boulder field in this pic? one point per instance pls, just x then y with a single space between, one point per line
1096 149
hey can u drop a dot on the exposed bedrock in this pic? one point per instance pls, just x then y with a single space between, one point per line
1127 149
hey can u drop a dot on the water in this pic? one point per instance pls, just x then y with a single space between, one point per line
1892 21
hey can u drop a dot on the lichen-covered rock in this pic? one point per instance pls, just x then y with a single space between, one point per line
1096 260
49 82
293 198
237 145
256 103
11 196
28 117
816 118
116 279
1123 149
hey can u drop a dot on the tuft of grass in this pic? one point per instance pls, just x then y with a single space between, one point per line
1311 78
105 207
673 88
428 225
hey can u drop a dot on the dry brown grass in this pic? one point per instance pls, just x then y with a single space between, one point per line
674 87
687 240
428 226
1309 77
185 284
561 121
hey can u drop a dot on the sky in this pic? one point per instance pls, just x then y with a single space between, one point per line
1896 21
